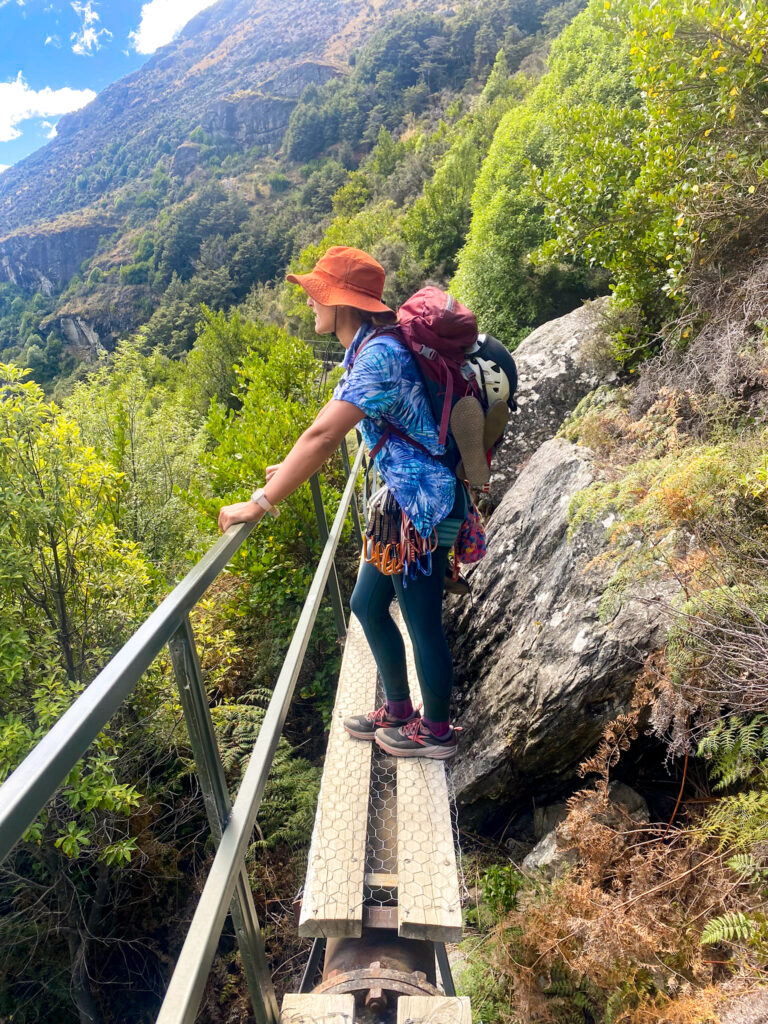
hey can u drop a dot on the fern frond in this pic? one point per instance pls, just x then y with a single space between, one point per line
733 927
737 750
739 821
744 864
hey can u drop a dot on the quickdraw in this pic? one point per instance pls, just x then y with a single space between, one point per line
392 542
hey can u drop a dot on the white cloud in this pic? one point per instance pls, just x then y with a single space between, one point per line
161 20
4 167
50 125
86 40
52 41
18 103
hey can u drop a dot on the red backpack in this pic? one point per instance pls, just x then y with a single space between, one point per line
437 331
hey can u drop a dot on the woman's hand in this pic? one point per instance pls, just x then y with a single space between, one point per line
271 470
242 512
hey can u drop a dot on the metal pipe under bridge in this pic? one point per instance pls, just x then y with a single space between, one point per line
381 896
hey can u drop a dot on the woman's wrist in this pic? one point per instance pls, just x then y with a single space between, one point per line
260 498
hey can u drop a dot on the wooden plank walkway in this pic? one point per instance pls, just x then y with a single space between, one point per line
429 901
429 1010
333 890
426 884
318 1009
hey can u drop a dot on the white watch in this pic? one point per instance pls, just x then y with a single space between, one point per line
261 499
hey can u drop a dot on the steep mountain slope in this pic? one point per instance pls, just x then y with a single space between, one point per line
234 47
199 177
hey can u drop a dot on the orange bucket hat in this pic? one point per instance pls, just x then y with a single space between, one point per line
345 277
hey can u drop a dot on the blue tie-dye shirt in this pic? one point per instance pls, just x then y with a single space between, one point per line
385 383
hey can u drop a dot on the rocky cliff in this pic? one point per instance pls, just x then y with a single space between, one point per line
556 369
46 258
541 666
539 670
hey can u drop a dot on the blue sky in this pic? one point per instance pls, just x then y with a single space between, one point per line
56 55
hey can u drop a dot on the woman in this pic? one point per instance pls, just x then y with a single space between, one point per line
381 387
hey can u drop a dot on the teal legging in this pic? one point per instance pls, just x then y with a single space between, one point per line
421 603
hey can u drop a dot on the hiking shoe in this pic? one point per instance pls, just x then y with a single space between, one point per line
496 420
414 739
363 727
467 425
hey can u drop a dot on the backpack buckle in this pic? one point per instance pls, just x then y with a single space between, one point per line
427 352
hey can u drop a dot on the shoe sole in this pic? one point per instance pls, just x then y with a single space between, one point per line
467 425
359 735
437 753
495 424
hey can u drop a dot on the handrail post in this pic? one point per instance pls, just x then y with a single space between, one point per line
334 590
218 805
355 510
445 969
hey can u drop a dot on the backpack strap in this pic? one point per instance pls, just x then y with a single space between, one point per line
391 430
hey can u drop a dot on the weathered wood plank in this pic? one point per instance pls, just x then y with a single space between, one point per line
428 884
318 1009
432 1010
333 890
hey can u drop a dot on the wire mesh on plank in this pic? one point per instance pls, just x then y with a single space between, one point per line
381 846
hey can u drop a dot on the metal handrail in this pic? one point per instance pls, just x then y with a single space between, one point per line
29 788
193 966
25 793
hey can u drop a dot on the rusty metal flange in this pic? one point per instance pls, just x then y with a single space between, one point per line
374 977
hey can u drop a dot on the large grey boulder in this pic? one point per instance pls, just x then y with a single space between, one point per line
538 674
556 368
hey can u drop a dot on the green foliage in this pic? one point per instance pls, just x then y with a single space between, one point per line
486 984
737 750
288 807
735 928
209 372
279 391
415 55
576 999
676 182
588 65
501 885
278 183
182 229
738 822
71 592
126 410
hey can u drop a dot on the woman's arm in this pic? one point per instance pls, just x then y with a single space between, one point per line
318 442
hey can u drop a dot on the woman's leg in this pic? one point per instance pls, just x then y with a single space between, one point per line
422 606
370 601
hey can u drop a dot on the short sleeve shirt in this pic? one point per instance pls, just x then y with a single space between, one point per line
384 382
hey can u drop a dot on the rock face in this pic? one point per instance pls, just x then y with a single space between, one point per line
82 339
260 116
185 159
538 674
554 375
251 119
293 80
47 258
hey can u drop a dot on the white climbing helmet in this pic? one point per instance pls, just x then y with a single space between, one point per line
495 370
